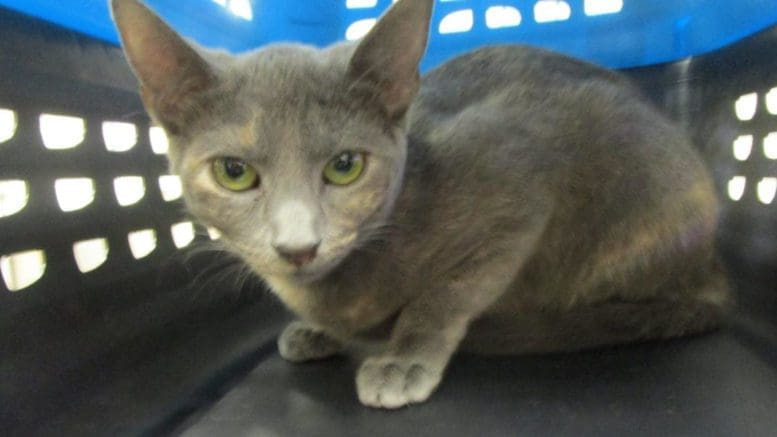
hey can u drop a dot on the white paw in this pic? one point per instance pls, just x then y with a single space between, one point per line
302 342
392 382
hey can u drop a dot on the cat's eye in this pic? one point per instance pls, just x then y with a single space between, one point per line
345 168
234 174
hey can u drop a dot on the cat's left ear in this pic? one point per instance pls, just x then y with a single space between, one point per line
172 74
387 60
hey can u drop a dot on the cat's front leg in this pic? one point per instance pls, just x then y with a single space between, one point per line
301 341
430 327
427 333
392 381
412 367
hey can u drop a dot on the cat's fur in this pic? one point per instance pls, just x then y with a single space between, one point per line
514 200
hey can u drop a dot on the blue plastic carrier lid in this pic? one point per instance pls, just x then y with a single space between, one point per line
614 33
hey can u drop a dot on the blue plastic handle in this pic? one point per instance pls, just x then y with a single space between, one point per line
643 32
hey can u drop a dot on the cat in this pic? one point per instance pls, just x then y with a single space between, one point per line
512 200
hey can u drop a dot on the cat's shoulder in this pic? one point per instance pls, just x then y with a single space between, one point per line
515 62
494 70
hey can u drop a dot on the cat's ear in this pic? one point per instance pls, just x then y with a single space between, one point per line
172 74
387 59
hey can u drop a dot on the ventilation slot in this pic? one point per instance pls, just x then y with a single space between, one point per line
183 234
602 7
129 190
457 22
240 8
170 187
214 233
74 194
746 106
14 195
159 141
736 187
546 11
360 4
60 132
770 146
21 270
743 146
767 188
358 29
119 137
90 254
771 101
142 243
8 124
498 17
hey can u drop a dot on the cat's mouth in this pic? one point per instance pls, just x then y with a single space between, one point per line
314 271
318 269
328 260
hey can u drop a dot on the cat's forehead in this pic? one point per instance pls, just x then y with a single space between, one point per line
290 73
285 98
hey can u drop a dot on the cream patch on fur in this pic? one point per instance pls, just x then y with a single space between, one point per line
293 295
248 134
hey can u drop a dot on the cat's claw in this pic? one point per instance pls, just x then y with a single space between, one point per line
301 342
393 382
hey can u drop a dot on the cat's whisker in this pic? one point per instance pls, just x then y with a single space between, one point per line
218 278
221 260
246 274
203 248
239 279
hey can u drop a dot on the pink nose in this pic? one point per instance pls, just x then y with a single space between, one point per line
299 256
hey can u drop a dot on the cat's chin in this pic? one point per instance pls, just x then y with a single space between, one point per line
306 277
314 272
281 271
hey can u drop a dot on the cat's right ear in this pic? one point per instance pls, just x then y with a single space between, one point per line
172 74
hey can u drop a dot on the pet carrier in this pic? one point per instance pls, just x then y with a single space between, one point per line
113 324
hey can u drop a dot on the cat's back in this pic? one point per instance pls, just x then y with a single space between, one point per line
520 71
526 92
543 113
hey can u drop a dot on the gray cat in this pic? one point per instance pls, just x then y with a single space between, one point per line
510 201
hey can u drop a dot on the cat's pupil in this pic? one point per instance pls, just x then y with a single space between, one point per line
344 163
234 168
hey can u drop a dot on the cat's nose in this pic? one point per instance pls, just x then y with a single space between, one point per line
299 256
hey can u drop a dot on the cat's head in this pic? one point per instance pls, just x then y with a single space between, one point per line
294 154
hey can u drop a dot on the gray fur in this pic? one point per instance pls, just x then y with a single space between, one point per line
514 200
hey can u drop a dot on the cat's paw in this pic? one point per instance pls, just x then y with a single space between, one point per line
393 382
301 342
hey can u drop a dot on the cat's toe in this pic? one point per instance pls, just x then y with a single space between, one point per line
301 342
391 382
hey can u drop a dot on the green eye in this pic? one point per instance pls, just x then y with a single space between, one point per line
344 169
234 174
